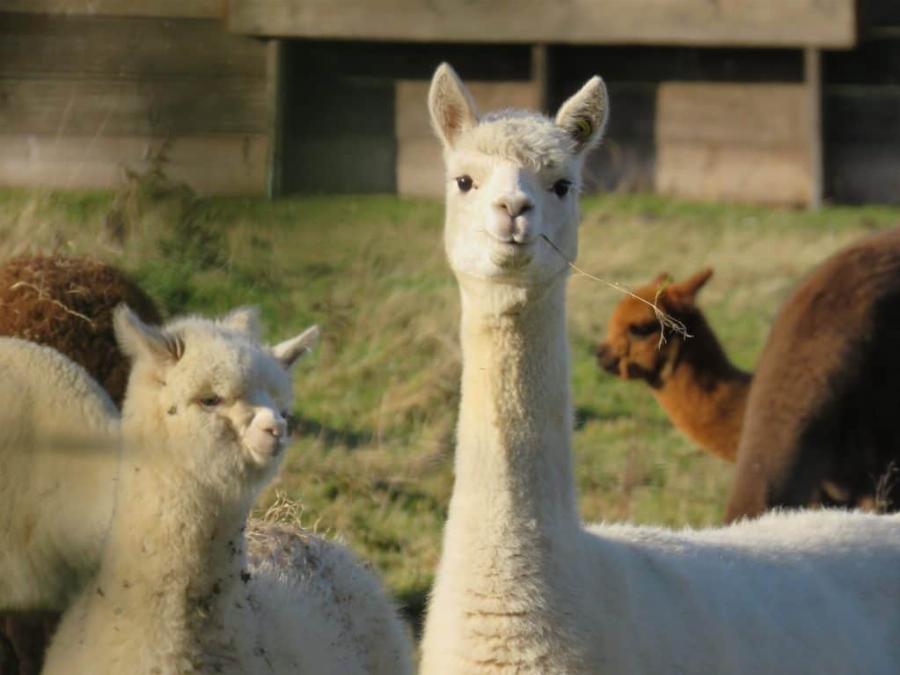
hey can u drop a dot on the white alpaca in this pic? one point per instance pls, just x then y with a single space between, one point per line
58 456
203 430
522 586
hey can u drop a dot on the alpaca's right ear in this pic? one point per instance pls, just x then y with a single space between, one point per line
137 339
450 104
289 351
686 290
244 320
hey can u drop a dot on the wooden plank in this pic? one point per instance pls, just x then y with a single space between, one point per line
209 164
124 48
420 168
757 114
196 9
540 75
813 83
825 23
412 119
729 172
275 86
132 107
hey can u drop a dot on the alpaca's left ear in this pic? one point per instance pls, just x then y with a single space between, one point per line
244 320
289 351
584 116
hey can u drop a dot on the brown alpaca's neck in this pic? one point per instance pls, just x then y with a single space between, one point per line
704 394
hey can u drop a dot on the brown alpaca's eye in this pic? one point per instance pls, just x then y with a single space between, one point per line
211 401
642 330
561 187
464 183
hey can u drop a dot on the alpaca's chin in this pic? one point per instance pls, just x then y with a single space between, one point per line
265 453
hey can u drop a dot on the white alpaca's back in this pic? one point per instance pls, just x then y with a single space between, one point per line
58 459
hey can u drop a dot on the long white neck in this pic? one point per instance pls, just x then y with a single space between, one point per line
513 460
512 528
174 556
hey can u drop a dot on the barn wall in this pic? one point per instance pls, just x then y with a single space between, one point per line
84 97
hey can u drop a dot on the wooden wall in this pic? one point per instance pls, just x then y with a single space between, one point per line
734 142
88 89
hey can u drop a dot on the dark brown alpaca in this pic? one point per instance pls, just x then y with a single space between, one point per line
703 393
65 303
822 423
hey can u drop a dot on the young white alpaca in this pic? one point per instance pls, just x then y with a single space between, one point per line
522 587
58 456
203 430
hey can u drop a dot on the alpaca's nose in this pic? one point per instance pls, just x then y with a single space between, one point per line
272 423
514 204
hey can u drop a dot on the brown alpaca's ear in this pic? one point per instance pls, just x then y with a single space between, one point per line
685 291
662 278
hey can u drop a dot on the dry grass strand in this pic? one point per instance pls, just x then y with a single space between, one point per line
665 320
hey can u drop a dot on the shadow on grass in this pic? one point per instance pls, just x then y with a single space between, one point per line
330 436
413 602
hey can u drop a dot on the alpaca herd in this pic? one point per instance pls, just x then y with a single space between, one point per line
136 525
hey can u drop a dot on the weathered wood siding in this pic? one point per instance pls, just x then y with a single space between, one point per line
830 23
736 142
85 96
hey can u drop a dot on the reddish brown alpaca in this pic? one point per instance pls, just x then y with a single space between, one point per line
821 424
703 393
65 303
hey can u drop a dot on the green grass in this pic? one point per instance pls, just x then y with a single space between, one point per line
377 403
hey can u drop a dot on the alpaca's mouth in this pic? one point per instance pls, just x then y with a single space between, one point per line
263 453
511 254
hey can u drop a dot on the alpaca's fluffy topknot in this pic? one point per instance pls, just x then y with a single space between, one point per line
520 136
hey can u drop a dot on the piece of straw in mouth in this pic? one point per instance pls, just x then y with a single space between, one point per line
665 320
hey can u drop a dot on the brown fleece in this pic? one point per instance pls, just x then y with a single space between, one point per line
822 417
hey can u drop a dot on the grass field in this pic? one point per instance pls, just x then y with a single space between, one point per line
377 403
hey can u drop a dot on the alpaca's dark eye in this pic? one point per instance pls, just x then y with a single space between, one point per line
464 183
211 401
561 187
642 330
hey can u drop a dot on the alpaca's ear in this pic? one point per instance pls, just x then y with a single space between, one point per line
450 104
687 289
662 278
289 351
137 339
243 320
584 116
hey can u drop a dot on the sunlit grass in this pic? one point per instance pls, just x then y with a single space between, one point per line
377 402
